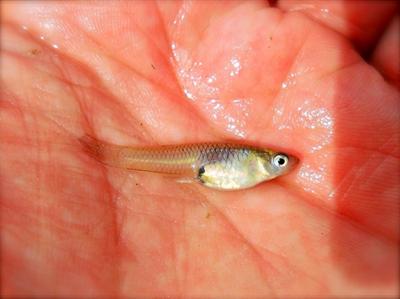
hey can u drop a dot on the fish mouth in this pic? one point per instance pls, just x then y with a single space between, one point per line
292 164
294 161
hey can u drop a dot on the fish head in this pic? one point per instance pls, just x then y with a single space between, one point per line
277 163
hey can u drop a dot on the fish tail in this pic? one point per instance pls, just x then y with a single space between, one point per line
98 150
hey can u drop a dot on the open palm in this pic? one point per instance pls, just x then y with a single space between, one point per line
144 73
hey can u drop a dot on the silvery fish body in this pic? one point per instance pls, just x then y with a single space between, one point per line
224 166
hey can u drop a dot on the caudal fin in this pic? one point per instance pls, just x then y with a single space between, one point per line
93 147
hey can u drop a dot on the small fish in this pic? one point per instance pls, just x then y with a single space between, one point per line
223 166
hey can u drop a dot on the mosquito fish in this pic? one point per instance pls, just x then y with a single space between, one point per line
223 166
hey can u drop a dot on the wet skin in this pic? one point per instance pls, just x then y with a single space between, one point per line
140 73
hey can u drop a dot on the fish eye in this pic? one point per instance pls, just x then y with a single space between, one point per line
280 160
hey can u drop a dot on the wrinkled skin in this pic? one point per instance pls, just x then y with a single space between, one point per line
292 77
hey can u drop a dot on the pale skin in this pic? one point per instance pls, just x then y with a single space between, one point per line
295 77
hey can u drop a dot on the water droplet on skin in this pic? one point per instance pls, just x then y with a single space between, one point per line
188 94
234 67
201 87
278 111
310 174
324 11
315 178
233 115
293 77
196 85
307 116
211 79
181 15
218 106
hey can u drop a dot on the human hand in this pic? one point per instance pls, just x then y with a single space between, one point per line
140 73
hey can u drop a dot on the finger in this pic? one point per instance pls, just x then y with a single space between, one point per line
362 22
386 55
